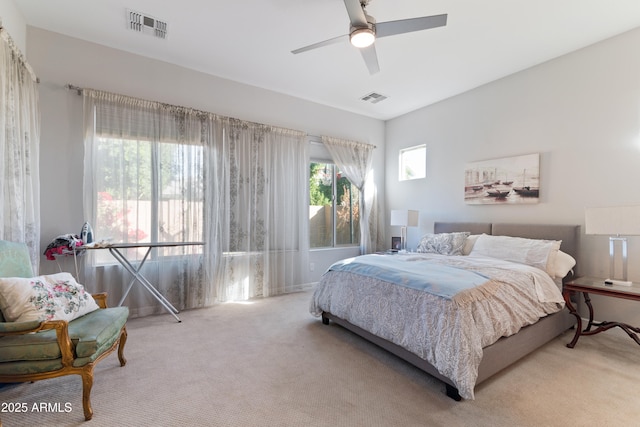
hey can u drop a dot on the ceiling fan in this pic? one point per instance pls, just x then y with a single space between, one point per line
364 30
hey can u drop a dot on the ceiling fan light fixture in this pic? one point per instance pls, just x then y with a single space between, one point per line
362 37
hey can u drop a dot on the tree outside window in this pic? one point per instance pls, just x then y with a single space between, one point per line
334 214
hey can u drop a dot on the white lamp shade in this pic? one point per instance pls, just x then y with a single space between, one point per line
404 218
614 220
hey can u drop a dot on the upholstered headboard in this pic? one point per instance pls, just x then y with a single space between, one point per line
472 227
569 234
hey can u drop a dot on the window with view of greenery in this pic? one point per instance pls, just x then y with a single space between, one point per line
333 207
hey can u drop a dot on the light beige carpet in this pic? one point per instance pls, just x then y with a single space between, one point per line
270 363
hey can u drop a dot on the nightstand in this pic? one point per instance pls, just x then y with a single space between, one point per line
596 286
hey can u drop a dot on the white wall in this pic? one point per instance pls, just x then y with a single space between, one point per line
12 20
59 60
581 112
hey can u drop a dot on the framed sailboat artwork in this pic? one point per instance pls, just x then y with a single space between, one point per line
508 180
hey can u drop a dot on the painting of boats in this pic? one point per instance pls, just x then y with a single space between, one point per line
498 193
527 191
508 180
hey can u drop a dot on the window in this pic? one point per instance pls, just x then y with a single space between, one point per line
333 207
148 192
413 163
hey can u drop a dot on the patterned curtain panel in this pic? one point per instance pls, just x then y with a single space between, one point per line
355 158
260 210
19 150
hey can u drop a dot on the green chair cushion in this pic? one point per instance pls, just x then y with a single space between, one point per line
18 326
90 334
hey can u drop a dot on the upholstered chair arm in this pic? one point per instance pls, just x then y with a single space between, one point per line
100 299
62 334
17 328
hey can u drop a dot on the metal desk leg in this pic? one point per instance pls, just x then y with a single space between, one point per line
137 276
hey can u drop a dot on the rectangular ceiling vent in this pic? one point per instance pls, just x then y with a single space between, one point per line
144 23
373 98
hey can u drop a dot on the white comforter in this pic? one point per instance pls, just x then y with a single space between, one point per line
448 333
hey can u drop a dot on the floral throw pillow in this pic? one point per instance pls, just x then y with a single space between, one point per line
50 297
443 243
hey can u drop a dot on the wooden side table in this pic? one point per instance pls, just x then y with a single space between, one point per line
596 286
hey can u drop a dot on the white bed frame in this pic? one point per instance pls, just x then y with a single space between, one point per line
506 350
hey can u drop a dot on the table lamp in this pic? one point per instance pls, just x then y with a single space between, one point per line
404 219
616 222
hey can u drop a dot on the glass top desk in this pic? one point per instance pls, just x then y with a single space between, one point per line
116 251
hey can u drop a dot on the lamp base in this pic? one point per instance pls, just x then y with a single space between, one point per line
618 282
612 253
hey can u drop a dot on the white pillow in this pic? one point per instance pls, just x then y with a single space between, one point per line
561 265
51 297
533 252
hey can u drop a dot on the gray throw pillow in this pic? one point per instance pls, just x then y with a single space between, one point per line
443 243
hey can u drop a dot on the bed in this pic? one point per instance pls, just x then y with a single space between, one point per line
463 332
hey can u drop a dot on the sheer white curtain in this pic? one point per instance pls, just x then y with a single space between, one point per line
144 182
237 186
355 160
260 208
19 150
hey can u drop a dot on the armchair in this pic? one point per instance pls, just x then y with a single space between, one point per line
37 350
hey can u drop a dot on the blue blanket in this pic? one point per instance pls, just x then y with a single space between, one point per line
411 272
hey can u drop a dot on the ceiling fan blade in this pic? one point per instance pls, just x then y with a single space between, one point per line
390 28
370 58
321 44
356 13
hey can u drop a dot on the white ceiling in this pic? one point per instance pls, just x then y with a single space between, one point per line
250 41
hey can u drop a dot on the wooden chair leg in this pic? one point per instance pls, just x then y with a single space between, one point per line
123 340
87 384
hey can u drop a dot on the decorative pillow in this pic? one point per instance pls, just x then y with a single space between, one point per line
443 243
468 244
561 265
51 297
533 252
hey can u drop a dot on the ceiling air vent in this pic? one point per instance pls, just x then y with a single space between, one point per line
143 23
373 98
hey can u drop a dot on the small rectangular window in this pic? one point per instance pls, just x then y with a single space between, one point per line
413 162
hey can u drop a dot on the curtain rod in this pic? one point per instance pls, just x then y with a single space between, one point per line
80 91
76 88
12 45
318 139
